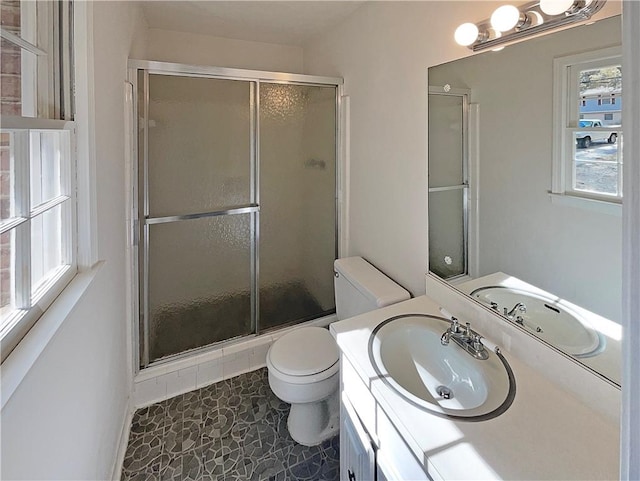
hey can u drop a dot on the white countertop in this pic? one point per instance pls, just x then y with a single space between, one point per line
545 434
606 362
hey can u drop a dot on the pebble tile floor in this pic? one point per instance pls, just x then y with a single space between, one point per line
232 430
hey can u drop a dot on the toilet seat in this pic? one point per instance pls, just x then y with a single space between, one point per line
308 379
304 355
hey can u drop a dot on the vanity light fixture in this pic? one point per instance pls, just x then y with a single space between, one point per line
509 24
466 34
555 7
506 18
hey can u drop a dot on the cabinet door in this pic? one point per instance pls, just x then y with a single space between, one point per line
357 454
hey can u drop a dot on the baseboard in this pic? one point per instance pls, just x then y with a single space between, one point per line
122 443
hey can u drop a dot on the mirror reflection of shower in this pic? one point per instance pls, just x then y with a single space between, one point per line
237 207
448 182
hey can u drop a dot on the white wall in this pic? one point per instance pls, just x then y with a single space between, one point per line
65 418
196 49
383 51
571 252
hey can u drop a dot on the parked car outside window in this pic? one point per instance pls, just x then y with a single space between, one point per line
585 139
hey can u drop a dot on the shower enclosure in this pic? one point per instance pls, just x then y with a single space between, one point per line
448 182
236 203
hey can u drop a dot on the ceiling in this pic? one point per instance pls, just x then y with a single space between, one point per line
281 22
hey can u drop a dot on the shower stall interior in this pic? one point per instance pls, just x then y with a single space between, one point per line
236 203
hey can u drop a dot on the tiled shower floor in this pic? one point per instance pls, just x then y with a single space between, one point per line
232 430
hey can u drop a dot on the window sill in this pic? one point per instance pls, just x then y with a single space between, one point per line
16 367
601 206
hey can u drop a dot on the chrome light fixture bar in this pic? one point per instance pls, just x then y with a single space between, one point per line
509 24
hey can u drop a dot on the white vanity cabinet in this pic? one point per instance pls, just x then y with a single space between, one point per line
357 452
370 447
539 437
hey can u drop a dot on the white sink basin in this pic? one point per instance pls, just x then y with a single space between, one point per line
407 354
545 317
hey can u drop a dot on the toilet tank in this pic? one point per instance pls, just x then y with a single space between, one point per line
360 288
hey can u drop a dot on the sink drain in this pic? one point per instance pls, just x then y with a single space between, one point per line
444 392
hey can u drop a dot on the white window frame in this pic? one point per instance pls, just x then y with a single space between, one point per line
565 123
41 111
31 305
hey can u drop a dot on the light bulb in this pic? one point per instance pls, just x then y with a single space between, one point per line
555 7
535 18
466 34
505 18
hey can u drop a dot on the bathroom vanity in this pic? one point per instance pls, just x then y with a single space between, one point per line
546 432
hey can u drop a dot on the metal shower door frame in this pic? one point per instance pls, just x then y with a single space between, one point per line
141 220
465 95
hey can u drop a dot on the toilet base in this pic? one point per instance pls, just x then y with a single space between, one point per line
310 424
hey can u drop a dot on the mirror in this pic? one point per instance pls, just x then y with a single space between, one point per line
549 264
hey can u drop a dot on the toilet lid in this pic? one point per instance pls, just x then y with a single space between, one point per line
304 351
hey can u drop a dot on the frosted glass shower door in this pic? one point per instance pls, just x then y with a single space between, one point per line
200 211
236 204
448 185
297 202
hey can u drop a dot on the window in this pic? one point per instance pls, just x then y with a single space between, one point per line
587 151
37 199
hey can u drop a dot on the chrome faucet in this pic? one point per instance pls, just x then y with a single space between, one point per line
466 338
518 309
454 328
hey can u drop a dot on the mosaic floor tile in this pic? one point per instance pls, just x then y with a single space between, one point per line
141 476
308 469
266 468
232 430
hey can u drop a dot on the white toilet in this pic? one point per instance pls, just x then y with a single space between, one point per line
303 364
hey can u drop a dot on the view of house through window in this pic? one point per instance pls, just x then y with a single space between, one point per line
597 148
588 134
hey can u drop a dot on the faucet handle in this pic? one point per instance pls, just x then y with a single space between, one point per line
467 329
455 325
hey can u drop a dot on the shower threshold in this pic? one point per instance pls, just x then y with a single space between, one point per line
200 367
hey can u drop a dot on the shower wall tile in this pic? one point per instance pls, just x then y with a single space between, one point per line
209 372
187 374
181 381
149 391
247 345
235 364
258 357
